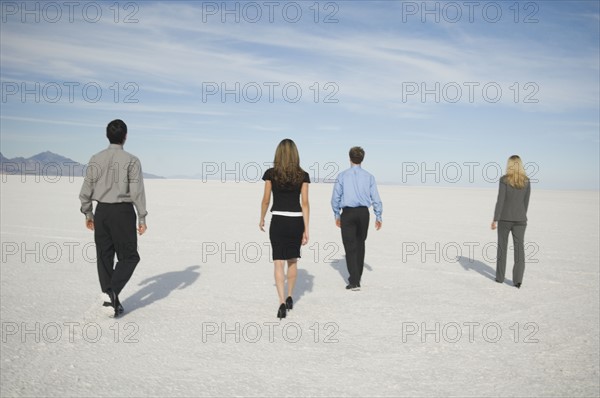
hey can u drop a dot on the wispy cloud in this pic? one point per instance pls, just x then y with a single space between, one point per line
369 58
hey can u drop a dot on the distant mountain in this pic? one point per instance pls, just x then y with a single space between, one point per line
47 164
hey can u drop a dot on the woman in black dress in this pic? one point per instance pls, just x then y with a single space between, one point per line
289 222
510 216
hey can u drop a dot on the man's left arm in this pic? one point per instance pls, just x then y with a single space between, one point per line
377 205
137 192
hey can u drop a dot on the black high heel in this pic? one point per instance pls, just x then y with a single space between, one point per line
518 285
289 303
281 312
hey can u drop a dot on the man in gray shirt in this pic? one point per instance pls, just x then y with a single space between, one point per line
114 179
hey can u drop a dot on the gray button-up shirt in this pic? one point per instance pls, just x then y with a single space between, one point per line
114 176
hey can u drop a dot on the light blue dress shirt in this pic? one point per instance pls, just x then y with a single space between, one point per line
353 188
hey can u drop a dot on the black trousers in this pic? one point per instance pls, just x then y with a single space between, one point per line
355 225
115 233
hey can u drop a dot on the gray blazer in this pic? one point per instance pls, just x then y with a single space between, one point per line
512 203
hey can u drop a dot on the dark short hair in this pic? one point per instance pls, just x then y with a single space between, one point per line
116 131
357 154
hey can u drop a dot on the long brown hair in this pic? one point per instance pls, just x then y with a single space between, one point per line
286 165
515 172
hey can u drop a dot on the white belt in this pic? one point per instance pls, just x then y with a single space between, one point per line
287 213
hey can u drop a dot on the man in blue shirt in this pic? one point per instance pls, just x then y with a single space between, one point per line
354 192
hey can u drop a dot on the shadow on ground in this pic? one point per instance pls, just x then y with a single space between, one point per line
482 268
159 287
342 268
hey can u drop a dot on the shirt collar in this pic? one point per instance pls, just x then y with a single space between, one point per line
115 146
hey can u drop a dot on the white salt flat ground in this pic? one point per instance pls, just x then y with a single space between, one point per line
201 305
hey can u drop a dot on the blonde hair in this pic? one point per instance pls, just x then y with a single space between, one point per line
515 173
286 165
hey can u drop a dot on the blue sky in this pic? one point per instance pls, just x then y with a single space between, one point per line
415 84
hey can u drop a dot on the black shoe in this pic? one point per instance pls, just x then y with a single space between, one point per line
289 303
498 281
281 312
352 287
358 284
109 304
518 285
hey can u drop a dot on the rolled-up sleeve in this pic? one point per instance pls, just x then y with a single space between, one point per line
336 198
376 200
136 189
85 194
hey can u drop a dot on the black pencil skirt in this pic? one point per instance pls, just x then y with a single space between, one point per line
286 236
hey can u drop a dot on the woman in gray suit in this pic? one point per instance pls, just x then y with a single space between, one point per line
511 216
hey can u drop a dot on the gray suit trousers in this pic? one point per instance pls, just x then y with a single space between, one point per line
518 234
